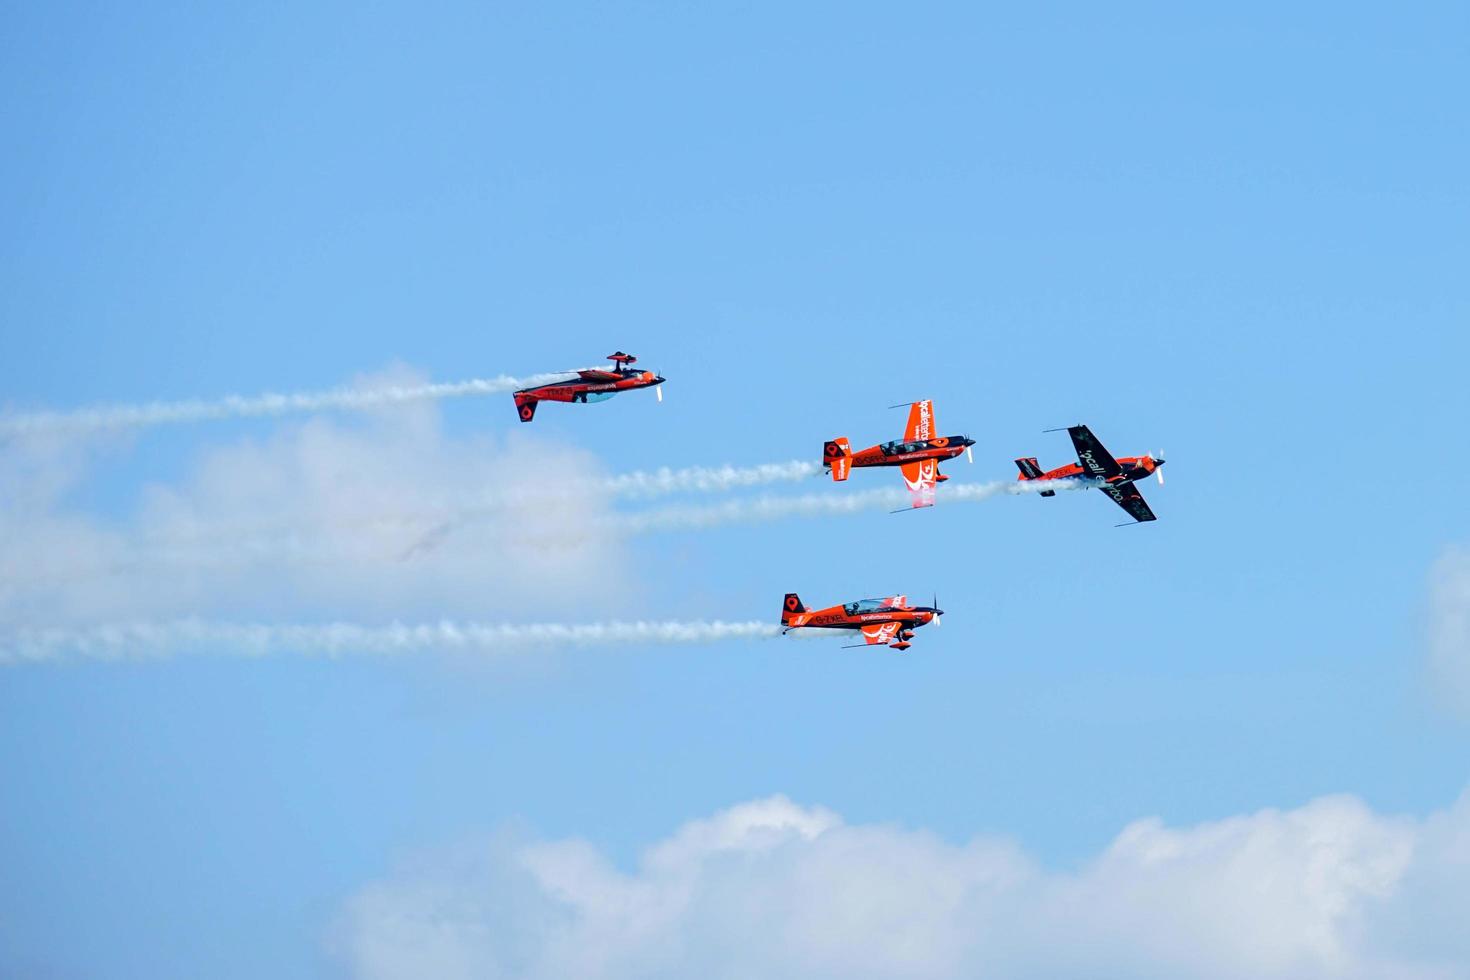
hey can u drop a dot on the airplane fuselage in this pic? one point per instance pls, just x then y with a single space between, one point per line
1115 476
590 386
578 391
899 453
1134 468
837 619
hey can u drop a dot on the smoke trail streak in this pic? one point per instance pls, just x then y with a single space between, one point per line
150 641
757 510
415 537
705 479
761 509
445 516
269 404
433 524
413 534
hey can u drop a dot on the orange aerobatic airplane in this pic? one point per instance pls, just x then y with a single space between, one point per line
592 385
918 454
890 620
1097 467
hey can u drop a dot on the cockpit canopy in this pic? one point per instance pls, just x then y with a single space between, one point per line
867 606
897 448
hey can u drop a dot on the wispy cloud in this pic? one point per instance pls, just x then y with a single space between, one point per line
364 520
291 525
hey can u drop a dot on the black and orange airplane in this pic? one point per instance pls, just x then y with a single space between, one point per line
918 454
1097 467
591 385
891 620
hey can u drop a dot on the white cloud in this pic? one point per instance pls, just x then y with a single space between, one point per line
1449 628
774 889
324 518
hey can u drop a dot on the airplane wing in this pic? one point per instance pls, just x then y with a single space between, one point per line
594 374
879 633
921 477
1094 457
1128 497
921 422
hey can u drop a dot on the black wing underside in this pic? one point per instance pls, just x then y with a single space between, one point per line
1093 455
1128 497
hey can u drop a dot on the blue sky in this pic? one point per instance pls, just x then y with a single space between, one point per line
1238 236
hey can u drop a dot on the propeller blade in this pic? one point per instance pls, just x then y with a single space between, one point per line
659 391
970 452
1160 475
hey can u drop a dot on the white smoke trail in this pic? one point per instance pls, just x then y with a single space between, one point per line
238 406
403 535
705 479
757 510
762 509
145 641
384 540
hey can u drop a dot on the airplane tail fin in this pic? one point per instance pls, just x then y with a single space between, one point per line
837 456
526 405
791 606
1031 470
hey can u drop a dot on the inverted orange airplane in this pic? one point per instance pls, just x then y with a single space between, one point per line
1097 467
891 620
593 385
917 454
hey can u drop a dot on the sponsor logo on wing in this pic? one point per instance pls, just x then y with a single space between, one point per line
882 633
1092 464
923 430
926 477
